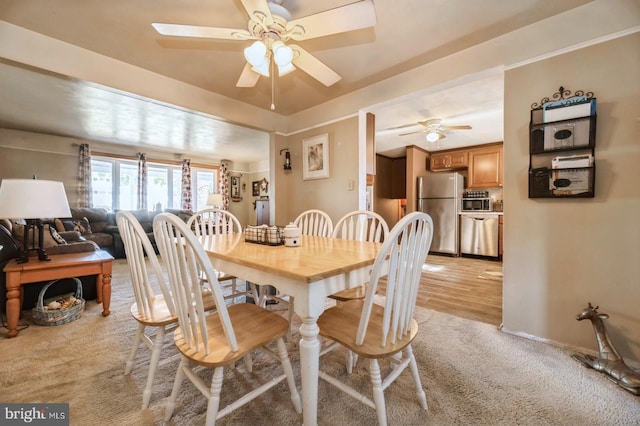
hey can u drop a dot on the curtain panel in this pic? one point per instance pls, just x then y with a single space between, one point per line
186 198
85 193
142 181
224 185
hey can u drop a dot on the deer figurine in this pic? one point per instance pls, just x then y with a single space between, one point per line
610 362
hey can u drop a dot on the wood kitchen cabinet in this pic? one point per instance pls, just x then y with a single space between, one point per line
449 161
485 167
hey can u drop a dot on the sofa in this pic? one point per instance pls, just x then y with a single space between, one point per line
94 224
11 248
145 218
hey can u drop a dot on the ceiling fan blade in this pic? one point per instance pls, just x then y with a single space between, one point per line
201 32
455 127
260 7
354 16
413 133
432 122
313 66
441 135
248 78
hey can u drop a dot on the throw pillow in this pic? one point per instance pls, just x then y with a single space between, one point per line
47 240
82 226
64 225
57 236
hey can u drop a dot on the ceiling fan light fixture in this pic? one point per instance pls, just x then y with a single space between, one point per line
262 69
256 54
285 69
432 136
282 54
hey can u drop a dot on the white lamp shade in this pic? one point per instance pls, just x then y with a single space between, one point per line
285 69
215 200
33 199
256 54
282 54
262 69
432 136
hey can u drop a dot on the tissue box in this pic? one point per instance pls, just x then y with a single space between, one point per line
567 135
571 181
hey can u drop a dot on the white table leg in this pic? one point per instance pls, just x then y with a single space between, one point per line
309 360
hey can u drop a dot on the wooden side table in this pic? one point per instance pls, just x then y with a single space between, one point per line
60 266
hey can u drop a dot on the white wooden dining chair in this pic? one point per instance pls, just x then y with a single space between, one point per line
311 222
152 309
377 331
215 222
360 225
314 222
222 337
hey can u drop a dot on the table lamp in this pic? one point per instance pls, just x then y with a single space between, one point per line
32 200
215 200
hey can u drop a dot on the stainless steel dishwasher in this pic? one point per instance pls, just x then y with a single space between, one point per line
479 234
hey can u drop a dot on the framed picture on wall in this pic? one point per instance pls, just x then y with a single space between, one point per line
315 157
255 188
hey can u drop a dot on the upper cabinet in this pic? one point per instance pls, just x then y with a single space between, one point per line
449 161
485 167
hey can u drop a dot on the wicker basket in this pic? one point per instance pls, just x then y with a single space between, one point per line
44 316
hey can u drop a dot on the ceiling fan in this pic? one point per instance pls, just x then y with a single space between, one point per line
435 130
270 24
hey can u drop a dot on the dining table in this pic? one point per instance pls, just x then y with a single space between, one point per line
310 272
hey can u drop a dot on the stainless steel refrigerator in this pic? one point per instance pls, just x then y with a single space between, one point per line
439 195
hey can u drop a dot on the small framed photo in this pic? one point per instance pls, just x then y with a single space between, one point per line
315 157
255 188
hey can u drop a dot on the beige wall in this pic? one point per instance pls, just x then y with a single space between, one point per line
24 154
561 254
332 194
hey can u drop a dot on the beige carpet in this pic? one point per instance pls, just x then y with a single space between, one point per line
472 374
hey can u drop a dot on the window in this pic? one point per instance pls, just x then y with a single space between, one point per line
115 183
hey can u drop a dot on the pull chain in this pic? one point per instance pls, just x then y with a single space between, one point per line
273 104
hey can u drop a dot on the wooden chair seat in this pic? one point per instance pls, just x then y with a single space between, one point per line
259 327
357 293
160 315
340 324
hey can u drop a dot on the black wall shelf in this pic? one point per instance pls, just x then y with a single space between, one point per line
562 146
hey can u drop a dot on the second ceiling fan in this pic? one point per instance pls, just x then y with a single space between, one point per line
435 129
270 24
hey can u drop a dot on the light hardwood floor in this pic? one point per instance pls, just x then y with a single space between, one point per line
466 287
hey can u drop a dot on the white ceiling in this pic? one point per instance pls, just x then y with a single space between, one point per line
408 34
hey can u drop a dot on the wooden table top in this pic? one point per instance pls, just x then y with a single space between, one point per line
316 258
58 260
